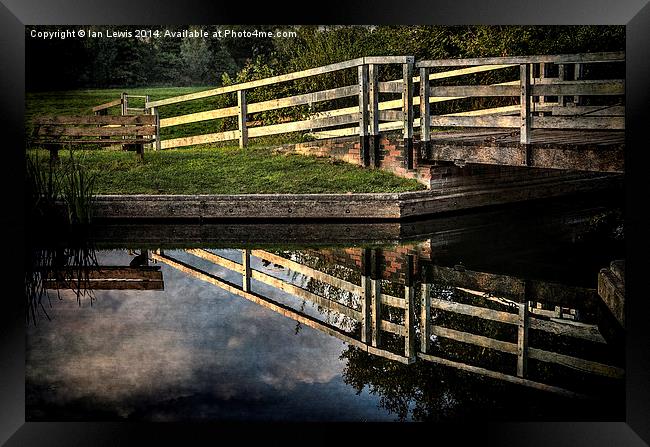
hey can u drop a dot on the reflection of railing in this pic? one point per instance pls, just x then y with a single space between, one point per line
107 278
369 315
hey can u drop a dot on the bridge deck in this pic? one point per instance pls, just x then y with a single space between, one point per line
591 150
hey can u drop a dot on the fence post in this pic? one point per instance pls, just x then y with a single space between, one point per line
373 93
375 297
364 146
425 113
525 100
561 74
407 109
409 317
156 143
366 328
125 103
577 75
246 265
241 118
425 317
522 334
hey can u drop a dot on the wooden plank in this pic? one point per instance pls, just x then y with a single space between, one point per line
242 113
609 87
303 125
500 376
390 115
200 139
474 311
107 105
375 305
364 119
85 141
616 56
525 100
103 284
391 86
579 122
474 90
504 110
154 113
462 71
216 259
199 116
522 339
246 269
100 120
478 340
259 83
475 121
107 272
373 99
386 59
306 295
425 111
80 131
393 328
308 271
576 363
307 98
409 309
425 317
588 110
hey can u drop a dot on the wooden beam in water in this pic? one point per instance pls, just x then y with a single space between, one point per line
500 376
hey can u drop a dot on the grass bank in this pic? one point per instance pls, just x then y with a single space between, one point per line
227 170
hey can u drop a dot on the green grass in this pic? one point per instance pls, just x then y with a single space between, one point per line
80 102
228 170
208 169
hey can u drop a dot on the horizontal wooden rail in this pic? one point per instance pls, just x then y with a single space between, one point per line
107 105
100 120
199 116
533 353
586 332
281 78
617 56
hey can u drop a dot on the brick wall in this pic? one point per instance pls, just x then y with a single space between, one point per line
435 175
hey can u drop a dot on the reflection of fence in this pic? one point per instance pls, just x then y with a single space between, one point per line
106 278
375 306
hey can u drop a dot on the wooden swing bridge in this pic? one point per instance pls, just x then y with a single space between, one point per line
551 111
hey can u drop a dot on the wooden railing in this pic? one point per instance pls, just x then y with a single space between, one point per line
547 92
534 110
371 318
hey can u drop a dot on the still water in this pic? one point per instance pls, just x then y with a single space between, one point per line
492 315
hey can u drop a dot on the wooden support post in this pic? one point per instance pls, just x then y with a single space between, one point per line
375 297
54 153
561 75
241 118
409 304
246 264
364 146
577 75
425 114
366 293
425 318
139 150
125 103
542 74
522 334
525 100
156 143
407 109
373 98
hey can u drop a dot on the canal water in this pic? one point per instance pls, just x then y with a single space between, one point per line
492 315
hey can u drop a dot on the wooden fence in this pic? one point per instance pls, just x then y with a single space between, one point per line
548 92
371 317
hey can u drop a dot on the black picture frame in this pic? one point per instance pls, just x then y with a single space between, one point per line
16 14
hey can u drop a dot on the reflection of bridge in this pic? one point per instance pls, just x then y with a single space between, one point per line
389 326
